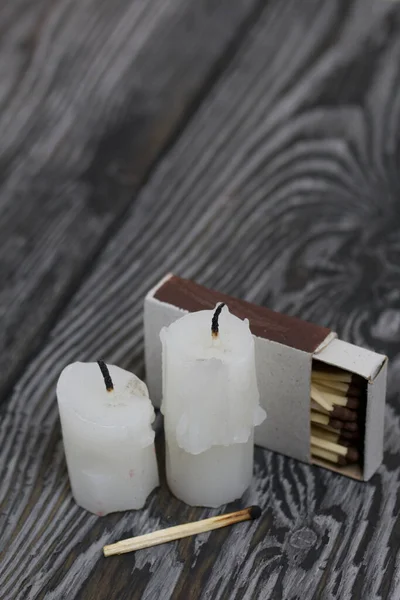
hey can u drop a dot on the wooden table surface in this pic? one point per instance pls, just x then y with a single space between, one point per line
253 146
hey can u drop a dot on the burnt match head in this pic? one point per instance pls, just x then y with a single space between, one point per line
106 374
214 322
254 512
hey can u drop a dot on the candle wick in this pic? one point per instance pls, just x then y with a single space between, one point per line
106 374
214 322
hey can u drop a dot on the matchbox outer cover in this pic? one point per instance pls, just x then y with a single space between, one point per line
283 346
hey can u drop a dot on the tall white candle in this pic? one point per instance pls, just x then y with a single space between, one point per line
108 438
210 406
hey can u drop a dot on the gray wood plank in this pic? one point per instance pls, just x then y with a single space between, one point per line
282 190
92 92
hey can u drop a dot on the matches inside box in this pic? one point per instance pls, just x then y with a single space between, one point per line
338 412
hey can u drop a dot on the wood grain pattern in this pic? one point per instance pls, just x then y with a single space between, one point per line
282 189
92 91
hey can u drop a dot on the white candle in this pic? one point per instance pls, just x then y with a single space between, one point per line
108 438
210 406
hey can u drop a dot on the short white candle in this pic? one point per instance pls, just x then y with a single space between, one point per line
210 406
108 438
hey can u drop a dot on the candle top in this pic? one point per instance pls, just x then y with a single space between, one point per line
81 389
193 336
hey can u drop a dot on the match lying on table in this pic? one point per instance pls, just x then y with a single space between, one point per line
181 531
337 415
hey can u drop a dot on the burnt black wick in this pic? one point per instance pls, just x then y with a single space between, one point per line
106 374
214 322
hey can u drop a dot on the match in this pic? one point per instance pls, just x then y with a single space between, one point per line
318 408
338 380
347 425
349 435
320 398
341 388
351 454
325 419
332 396
327 403
330 436
340 377
344 414
338 397
330 456
181 531
348 402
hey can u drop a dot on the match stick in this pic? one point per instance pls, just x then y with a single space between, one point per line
325 427
338 398
323 419
336 412
348 402
319 418
317 407
343 388
328 390
325 371
181 531
331 387
330 436
329 456
343 377
347 425
319 397
351 453
344 414
349 435
328 402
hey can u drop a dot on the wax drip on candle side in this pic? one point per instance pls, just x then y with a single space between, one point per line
214 322
106 374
